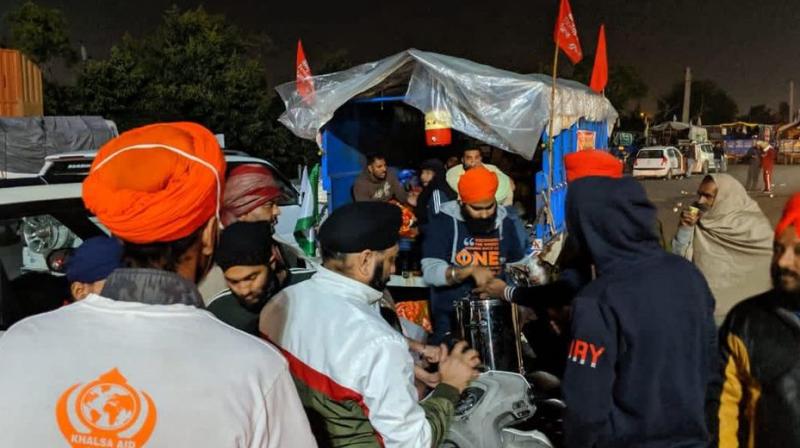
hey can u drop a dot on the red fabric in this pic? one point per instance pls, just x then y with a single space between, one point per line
477 185
768 158
600 69
305 84
248 187
768 180
592 162
566 33
153 193
319 382
790 217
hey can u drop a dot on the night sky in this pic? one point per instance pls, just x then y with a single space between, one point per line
749 48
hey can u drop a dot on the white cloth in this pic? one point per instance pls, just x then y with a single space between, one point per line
197 381
332 324
504 194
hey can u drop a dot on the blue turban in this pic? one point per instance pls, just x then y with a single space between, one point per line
94 260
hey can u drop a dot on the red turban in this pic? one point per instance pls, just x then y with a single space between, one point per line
157 183
592 162
248 187
477 185
790 217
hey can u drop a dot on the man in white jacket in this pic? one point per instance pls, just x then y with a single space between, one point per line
353 370
142 364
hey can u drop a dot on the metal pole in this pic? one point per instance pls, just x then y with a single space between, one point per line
791 101
687 95
517 336
550 144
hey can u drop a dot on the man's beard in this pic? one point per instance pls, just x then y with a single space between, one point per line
790 296
480 226
262 300
378 281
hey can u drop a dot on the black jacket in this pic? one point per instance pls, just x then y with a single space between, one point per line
643 330
757 393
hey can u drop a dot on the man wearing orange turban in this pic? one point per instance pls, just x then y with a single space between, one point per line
758 347
157 189
592 163
466 245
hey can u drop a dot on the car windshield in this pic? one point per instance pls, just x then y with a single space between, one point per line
651 154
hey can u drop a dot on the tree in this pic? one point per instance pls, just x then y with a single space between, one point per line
762 114
625 84
708 102
41 33
197 67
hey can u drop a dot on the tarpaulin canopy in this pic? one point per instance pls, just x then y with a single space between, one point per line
505 109
674 125
26 141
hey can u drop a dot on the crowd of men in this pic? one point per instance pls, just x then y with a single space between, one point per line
283 358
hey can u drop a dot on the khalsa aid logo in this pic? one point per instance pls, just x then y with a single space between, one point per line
106 412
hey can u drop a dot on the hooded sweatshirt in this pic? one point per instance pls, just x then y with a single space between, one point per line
436 193
643 335
448 242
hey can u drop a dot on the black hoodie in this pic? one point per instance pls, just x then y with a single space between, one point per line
429 201
643 335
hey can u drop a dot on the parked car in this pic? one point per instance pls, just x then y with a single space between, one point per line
658 162
42 215
703 156
74 167
36 220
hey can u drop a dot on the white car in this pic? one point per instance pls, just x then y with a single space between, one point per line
658 162
40 215
702 155
73 168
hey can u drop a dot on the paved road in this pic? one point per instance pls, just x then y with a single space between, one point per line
669 195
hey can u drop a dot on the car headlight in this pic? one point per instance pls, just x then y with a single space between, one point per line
43 234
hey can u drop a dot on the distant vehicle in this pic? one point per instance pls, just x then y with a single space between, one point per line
703 156
658 162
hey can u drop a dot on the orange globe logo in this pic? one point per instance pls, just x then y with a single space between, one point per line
108 406
106 412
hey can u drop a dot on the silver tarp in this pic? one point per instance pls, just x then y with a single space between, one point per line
26 141
505 109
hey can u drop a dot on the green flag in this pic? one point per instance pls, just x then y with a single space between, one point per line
304 231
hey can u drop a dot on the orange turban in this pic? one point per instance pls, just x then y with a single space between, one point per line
790 217
157 183
477 185
592 162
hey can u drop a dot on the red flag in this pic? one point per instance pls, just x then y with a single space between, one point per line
305 84
600 70
566 34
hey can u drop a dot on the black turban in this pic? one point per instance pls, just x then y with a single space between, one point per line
244 244
359 226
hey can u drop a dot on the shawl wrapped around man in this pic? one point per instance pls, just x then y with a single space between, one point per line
732 246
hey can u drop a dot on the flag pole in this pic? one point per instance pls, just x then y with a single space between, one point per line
550 140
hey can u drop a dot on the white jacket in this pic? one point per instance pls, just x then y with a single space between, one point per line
331 325
108 373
